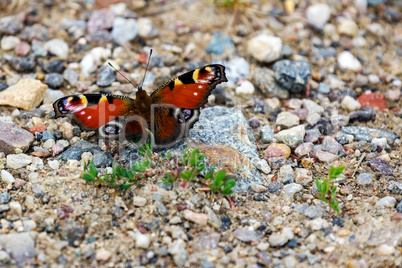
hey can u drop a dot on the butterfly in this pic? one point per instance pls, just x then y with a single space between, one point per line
168 112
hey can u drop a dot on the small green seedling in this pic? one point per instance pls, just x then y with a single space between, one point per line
195 164
327 189
223 183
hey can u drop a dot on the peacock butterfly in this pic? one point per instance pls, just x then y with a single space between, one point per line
168 112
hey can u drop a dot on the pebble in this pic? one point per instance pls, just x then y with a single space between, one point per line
303 176
220 43
265 48
292 75
279 239
22 49
87 64
178 249
266 134
346 61
326 157
38 48
139 201
385 250
388 201
54 80
142 240
365 115
287 120
6 177
20 246
100 20
312 107
323 88
350 104
292 136
313 212
4 198
125 30
106 76
199 218
15 208
23 64
277 150
246 87
52 95
318 15
9 42
15 161
54 66
364 178
3 86
162 210
146 28
380 165
102 255
14 139
57 47
19 183
374 100
361 133
348 27
304 149
26 94
290 189
49 144
247 235
286 175
71 76
330 145
395 188
54 164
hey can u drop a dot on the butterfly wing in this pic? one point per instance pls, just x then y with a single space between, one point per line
175 104
190 90
91 111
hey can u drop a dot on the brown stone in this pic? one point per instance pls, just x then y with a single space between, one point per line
14 139
26 94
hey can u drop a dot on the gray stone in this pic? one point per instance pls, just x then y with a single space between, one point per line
106 76
364 178
4 198
287 120
292 75
162 210
313 212
227 126
388 201
330 145
54 80
395 188
21 247
247 235
124 30
267 134
71 76
16 161
292 136
264 80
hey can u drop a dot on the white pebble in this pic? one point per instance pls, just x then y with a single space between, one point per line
346 60
350 104
54 164
6 177
246 87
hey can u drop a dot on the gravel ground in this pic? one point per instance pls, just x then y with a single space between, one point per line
310 86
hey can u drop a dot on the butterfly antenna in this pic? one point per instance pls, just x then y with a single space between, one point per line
121 74
146 69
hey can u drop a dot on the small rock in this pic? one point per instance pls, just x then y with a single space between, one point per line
385 250
286 175
393 94
267 134
364 178
15 208
14 139
198 218
325 157
350 104
348 27
64 211
23 64
265 48
380 165
323 88
22 49
220 43
290 189
54 164
103 255
280 239
57 47
6 177
304 149
9 42
54 66
318 15
287 120
246 87
19 183
247 235
49 144
346 60
292 136
162 210
106 76
277 150
124 30
54 80
71 76
142 240
20 246
313 212
374 100
139 201
16 161
146 28
52 95
4 198
292 75
26 94
330 145
388 201
303 176
178 249
395 188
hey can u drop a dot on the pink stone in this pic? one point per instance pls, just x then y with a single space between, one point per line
199 218
22 49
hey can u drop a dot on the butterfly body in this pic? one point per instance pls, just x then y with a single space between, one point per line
168 112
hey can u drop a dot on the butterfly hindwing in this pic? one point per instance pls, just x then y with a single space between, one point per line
91 111
190 90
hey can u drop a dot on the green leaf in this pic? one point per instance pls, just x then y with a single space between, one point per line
333 193
230 184
130 175
219 177
168 155
335 172
88 177
325 186
186 174
318 184
322 198
209 175
202 167
93 170
227 192
125 186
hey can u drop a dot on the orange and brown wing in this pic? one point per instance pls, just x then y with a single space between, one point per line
190 90
91 111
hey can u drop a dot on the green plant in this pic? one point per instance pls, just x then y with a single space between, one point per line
194 163
119 176
222 183
169 180
327 189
